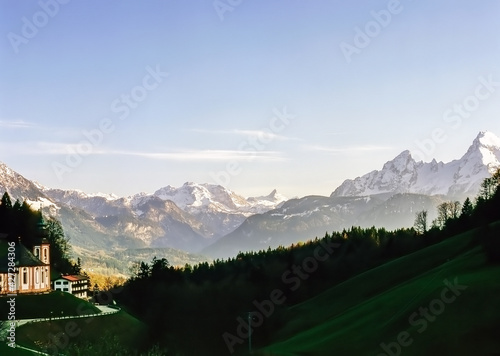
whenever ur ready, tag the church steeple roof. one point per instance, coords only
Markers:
(42, 226)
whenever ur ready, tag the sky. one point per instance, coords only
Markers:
(125, 97)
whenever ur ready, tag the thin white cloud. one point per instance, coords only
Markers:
(351, 149)
(263, 134)
(204, 155)
(58, 148)
(17, 124)
(31, 148)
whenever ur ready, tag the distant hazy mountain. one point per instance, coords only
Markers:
(458, 178)
(305, 218)
(388, 198)
(219, 209)
(187, 218)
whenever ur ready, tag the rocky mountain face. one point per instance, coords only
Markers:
(188, 218)
(79, 226)
(456, 179)
(219, 209)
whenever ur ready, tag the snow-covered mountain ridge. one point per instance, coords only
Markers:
(194, 198)
(191, 197)
(457, 179)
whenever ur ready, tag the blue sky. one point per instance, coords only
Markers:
(129, 96)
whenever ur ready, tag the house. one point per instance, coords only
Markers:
(74, 284)
(24, 271)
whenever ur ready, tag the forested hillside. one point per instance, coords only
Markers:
(213, 301)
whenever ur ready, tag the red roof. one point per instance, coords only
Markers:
(74, 278)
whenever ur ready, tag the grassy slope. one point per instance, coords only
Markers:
(128, 330)
(41, 306)
(355, 317)
(5, 350)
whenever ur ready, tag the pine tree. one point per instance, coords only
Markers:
(6, 202)
(59, 247)
(467, 208)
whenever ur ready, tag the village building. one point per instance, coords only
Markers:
(75, 284)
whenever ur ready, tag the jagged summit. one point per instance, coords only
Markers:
(192, 195)
(457, 178)
(21, 188)
(274, 196)
(484, 148)
(195, 197)
(487, 139)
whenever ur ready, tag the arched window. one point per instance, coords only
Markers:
(25, 276)
(37, 280)
(43, 276)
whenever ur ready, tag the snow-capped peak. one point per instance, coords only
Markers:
(273, 198)
(457, 178)
(20, 188)
(403, 162)
(485, 149)
(487, 139)
(193, 197)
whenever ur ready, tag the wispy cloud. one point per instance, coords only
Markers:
(58, 148)
(340, 150)
(17, 124)
(33, 148)
(267, 135)
(205, 155)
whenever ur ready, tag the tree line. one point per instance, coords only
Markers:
(454, 217)
(21, 223)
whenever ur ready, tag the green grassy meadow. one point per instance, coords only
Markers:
(373, 309)
(116, 329)
(121, 327)
(55, 303)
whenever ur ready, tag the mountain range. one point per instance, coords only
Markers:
(218, 222)
(176, 221)
(388, 198)
(188, 218)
